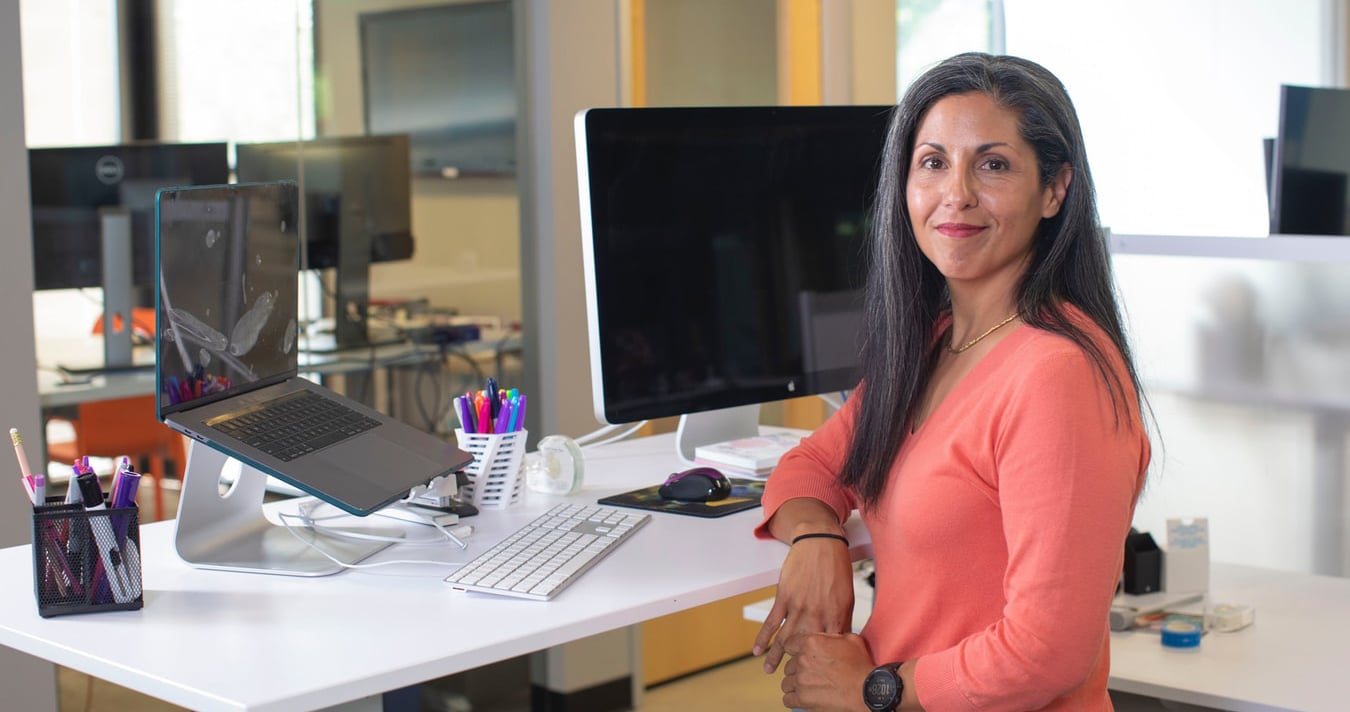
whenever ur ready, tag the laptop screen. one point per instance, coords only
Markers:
(227, 293)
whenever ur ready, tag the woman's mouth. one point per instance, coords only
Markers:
(959, 229)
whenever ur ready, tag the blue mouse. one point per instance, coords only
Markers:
(700, 484)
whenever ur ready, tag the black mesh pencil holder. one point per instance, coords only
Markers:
(85, 561)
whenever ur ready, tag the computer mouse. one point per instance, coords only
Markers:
(699, 484)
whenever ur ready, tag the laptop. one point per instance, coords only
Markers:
(226, 342)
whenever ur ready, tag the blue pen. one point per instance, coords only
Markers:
(494, 402)
(520, 413)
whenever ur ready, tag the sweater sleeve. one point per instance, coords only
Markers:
(812, 470)
(1069, 464)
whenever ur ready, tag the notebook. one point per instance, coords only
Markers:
(227, 306)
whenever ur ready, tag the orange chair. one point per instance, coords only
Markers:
(126, 427)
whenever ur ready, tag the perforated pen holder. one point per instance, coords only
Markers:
(86, 561)
(494, 477)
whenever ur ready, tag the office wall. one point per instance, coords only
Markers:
(467, 230)
(711, 52)
(28, 683)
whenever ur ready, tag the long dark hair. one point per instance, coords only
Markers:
(906, 294)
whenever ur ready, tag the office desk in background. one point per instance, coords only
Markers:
(56, 390)
(262, 642)
(1292, 658)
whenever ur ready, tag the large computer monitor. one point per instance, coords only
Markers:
(357, 209)
(1311, 163)
(724, 257)
(69, 185)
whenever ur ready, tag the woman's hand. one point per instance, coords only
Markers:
(825, 672)
(815, 595)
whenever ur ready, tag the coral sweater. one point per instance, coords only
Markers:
(999, 538)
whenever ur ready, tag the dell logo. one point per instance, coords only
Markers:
(109, 170)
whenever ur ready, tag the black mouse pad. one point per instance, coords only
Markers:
(745, 494)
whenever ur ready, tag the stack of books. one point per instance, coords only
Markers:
(755, 457)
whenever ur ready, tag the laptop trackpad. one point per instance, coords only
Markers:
(371, 456)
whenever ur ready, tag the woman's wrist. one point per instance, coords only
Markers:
(820, 535)
(814, 529)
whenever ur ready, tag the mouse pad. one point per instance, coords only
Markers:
(745, 494)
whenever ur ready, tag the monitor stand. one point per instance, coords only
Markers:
(115, 233)
(230, 532)
(715, 426)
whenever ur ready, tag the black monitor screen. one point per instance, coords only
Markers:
(725, 252)
(1312, 163)
(363, 179)
(70, 184)
(445, 75)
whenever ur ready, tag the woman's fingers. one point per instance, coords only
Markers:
(770, 627)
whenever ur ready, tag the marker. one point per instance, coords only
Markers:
(114, 564)
(494, 405)
(462, 403)
(36, 486)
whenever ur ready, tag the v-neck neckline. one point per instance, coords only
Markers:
(976, 373)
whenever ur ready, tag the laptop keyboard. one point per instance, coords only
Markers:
(294, 425)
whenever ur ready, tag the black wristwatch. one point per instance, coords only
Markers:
(883, 688)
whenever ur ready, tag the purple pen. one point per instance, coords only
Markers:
(464, 419)
(502, 423)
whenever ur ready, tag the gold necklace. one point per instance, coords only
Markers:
(980, 338)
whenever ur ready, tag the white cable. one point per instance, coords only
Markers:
(346, 565)
(618, 437)
(829, 400)
(595, 434)
(307, 519)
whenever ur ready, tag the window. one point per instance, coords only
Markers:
(241, 70)
(1175, 98)
(70, 78)
(928, 31)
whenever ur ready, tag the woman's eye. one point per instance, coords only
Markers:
(996, 164)
(930, 162)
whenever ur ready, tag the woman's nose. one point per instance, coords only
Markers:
(958, 191)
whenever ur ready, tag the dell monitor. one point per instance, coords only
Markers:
(1311, 163)
(725, 256)
(357, 209)
(69, 185)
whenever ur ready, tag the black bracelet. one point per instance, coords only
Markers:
(821, 535)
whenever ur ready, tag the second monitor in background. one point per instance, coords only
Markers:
(1310, 177)
(357, 210)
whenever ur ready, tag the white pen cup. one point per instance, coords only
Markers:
(494, 476)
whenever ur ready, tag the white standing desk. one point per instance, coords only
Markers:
(211, 640)
(1293, 657)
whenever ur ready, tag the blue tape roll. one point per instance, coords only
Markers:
(1180, 634)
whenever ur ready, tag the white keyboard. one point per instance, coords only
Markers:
(541, 558)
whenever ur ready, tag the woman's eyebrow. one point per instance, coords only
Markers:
(978, 149)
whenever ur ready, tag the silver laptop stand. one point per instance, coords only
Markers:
(228, 530)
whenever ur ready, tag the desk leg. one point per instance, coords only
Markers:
(1331, 552)
(29, 682)
(374, 703)
(594, 673)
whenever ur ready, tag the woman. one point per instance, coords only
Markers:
(995, 447)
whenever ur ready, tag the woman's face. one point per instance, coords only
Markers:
(974, 191)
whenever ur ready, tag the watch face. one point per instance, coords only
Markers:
(881, 690)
